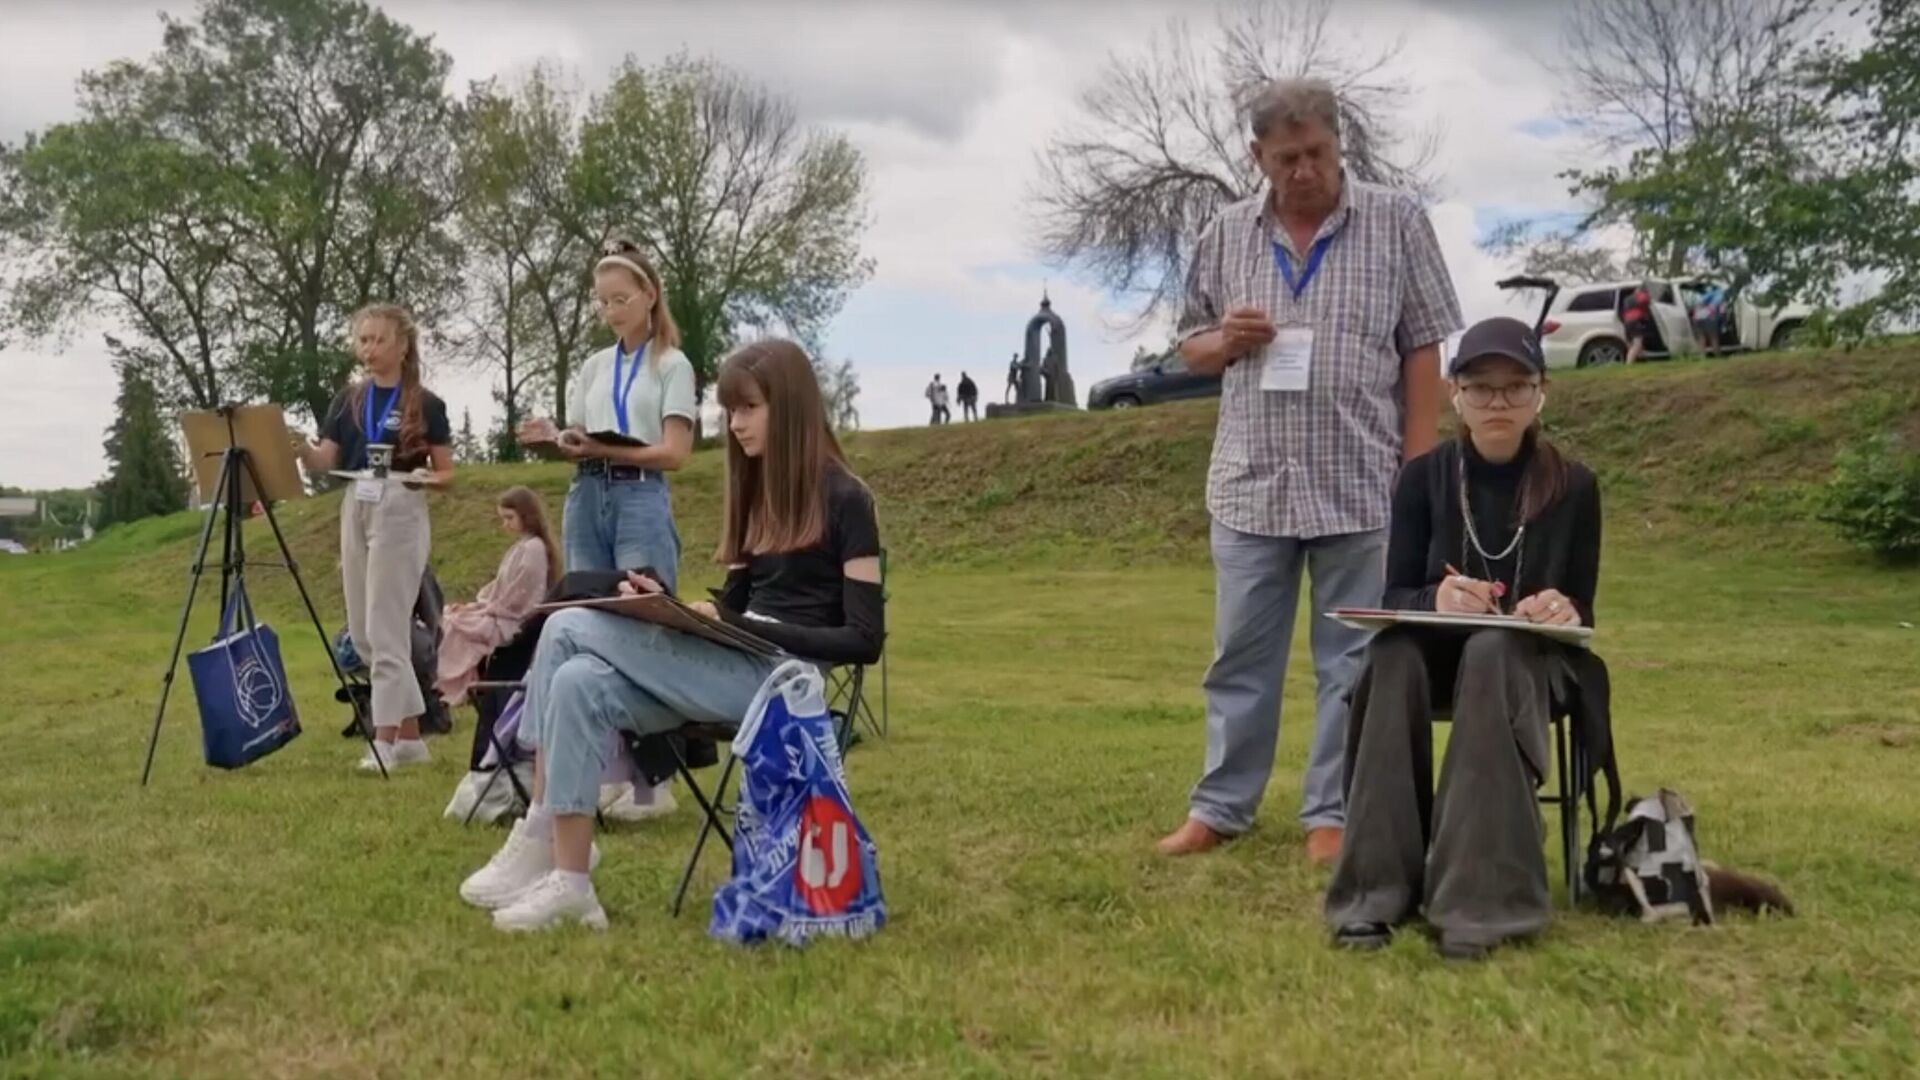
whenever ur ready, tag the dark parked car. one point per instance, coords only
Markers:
(1165, 379)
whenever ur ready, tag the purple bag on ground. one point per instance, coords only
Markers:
(803, 866)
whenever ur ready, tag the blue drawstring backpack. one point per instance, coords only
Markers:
(803, 867)
(246, 712)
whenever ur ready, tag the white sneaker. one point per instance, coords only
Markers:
(398, 755)
(552, 902)
(624, 807)
(410, 752)
(518, 866)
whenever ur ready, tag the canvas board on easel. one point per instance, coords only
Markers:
(260, 430)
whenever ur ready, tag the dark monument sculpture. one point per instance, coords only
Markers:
(1044, 384)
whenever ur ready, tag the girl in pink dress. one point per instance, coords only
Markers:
(468, 632)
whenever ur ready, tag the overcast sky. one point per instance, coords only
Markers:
(949, 100)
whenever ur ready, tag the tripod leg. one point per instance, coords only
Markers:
(326, 646)
(214, 508)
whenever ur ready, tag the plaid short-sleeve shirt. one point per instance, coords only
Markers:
(1320, 462)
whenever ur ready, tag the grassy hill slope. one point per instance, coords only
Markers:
(1716, 453)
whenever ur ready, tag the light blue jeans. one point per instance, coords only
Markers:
(595, 673)
(621, 525)
(1257, 596)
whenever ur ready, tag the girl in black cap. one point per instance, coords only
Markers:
(1496, 522)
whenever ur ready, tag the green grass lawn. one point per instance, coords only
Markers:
(299, 919)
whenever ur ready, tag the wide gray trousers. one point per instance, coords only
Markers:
(383, 554)
(1471, 854)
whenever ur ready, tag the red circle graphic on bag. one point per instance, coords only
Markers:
(826, 872)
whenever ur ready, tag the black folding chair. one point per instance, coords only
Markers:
(503, 763)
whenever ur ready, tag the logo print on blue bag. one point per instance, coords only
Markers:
(828, 873)
(258, 692)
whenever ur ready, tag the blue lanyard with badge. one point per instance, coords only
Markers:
(371, 489)
(622, 389)
(1288, 362)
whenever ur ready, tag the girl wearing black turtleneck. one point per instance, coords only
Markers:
(1495, 522)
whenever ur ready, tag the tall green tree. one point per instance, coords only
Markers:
(235, 196)
(1816, 197)
(144, 475)
(1688, 109)
(525, 214)
(755, 221)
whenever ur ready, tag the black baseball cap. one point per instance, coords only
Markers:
(1499, 336)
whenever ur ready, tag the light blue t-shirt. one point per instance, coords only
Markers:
(663, 387)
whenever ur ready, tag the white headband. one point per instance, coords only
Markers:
(622, 260)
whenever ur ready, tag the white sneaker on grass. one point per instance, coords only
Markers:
(559, 898)
(518, 866)
(625, 807)
(398, 755)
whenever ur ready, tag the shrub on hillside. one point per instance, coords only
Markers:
(1874, 498)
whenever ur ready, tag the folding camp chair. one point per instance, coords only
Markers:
(503, 762)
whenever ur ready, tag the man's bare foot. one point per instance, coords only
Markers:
(1323, 844)
(1192, 838)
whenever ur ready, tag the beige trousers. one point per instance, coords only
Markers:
(383, 553)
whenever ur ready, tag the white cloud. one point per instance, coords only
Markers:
(949, 100)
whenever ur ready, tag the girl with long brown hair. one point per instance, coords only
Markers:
(802, 551)
(531, 566)
(385, 534)
(1497, 522)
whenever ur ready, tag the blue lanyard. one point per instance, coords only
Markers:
(620, 389)
(1314, 255)
(376, 433)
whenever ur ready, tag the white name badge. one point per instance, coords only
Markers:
(368, 490)
(1287, 363)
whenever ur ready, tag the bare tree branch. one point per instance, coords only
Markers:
(1159, 144)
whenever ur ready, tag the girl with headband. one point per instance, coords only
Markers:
(619, 512)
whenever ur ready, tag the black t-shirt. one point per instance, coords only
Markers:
(819, 612)
(804, 587)
(347, 416)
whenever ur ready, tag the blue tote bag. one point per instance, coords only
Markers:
(246, 712)
(803, 865)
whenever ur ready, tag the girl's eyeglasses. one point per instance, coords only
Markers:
(1516, 396)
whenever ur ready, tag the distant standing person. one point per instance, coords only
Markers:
(1638, 319)
(937, 398)
(1322, 303)
(969, 397)
(1013, 379)
(1706, 318)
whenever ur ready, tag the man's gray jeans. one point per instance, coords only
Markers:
(1257, 596)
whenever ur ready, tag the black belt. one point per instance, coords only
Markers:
(603, 467)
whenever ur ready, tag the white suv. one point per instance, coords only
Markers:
(1580, 324)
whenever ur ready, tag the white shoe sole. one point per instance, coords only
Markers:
(394, 765)
(592, 920)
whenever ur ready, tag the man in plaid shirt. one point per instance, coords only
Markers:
(1323, 303)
